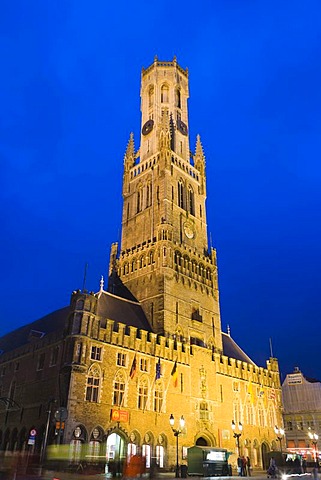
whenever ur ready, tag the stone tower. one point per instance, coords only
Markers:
(164, 259)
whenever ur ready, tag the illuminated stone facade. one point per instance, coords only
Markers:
(150, 344)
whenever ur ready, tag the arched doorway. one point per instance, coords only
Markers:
(115, 453)
(264, 451)
(202, 442)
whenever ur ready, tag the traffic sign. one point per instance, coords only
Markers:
(33, 432)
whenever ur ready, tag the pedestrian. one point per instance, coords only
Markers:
(248, 462)
(239, 466)
(244, 473)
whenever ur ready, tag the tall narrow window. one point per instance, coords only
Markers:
(178, 98)
(158, 397)
(180, 194)
(119, 389)
(151, 96)
(93, 384)
(164, 94)
(191, 201)
(139, 201)
(142, 394)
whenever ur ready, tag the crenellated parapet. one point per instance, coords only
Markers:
(248, 372)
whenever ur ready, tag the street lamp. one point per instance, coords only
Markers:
(314, 440)
(279, 435)
(237, 435)
(177, 432)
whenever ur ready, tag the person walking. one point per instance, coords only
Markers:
(248, 463)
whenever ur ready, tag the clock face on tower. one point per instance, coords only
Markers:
(148, 127)
(189, 230)
(182, 127)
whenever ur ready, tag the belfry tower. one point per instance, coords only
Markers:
(164, 258)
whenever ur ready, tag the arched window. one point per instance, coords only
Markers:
(151, 96)
(119, 389)
(93, 384)
(142, 394)
(260, 414)
(180, 194)
(237, 412)
(139, 200)
(178, 98)
(164, 94)
(158, 397)
(191, 201)
(148, 195)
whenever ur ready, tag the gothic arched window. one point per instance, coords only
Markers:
(180, 194)
(119, 389)
(164, 93)
(178, 98)
(93, 384)
(191, 201)
(151, 96)
(142, 394)
(158, 397)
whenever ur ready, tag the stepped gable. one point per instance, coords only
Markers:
(232, 350)
(122, 310)
(53, 322)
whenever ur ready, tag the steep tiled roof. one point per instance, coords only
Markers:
(231, 349)
(122, 310)
(52, 322)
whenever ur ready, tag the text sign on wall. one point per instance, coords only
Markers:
(294, 379)
(119, 415)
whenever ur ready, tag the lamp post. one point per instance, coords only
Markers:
(177, 432)
(279, 435)
(237, 435)
(314, 440)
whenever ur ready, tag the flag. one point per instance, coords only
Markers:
(158, 370)
(133, 368)
(174, 374)
(272, 394)
(261, 392)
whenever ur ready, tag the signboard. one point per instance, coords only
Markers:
(119, 415)
(294, 378)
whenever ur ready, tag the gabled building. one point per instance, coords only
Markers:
(116, 364)
(302, 413)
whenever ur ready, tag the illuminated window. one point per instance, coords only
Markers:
(93, 384)
(164, 94)
(121, 359)
(144, 364)
(119, 389)
(180, 194)
(95, 353)
(158, 397)
(191, 201)
(142, 394)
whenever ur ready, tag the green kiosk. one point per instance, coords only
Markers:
(208, 461)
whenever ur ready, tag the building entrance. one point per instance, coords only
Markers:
(115, 454)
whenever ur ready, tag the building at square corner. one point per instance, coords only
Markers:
(113, 366)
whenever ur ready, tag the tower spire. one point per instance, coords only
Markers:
(199, 161)
(129, 161)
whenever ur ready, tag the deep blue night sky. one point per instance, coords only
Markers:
(69, 93)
